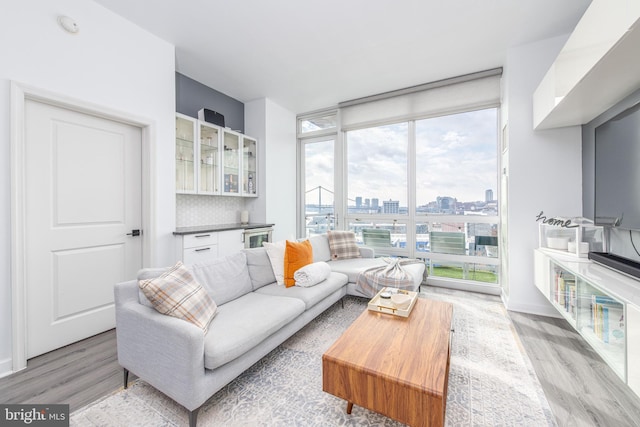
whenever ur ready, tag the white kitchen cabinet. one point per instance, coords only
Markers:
(211, 160)
(208, 159)
(249, 167)
(186, 154)
(240, 164)
(208, 245)
(199, 247)
(596, 68)
(230, 242)
(231, 149)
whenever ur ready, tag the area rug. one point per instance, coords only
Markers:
(491, 380)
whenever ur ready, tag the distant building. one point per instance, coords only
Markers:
(367, 202)
(488, 195)
(358, 202)
(374, 204)
(390, 207)
(447, 204)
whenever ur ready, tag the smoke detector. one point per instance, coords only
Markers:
(68, 24)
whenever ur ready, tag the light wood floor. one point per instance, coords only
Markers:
(580, 388)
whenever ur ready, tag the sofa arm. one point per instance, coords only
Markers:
(165, 351)
(366, 252)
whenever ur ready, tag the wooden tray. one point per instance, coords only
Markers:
(383, 305)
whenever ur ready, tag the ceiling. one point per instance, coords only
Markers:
(308, 55)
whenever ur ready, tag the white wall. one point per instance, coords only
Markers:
(544, 170)
(275, 128)
(110, 63)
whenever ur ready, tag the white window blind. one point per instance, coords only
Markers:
(469, 92)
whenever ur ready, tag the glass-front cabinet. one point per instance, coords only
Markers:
(231, 162)
(212, 160)
(249, 167)
(209, 182)
(185, 155)
(594, 300)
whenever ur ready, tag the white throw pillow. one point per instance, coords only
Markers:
(275, 251)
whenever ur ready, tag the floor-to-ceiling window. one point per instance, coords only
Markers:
(457, 196)
(377, 186)
(317, 135)
(415, 175)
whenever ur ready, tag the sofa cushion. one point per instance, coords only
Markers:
(275, 251)
(320, 245)
(225, 278)
(311, 296)
(353, 267)
(176, 293)
(245, 322)
(343, 245)
(259, 265)
(296, 256)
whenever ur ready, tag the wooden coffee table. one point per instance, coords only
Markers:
(396, 366)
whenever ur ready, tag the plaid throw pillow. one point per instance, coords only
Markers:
(342, 245)
(176, 293)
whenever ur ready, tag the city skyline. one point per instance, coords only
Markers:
(442, 204)
(455, 155)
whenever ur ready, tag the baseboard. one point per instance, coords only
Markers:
(6, 367)
(464, 286)
(537, 309)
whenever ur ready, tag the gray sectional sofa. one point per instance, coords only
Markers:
(253, 317)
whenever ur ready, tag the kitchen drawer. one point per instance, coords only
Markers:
(199, 239)
(199, 254)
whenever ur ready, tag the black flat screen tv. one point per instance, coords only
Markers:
(617, 171)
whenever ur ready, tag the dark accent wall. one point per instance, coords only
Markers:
(192, 96)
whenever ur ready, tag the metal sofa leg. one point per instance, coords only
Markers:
(126, 378)
(193, 417)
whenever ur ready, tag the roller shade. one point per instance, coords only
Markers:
(469, 92)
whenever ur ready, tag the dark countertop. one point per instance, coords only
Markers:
(180, 231)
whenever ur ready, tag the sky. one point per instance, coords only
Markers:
(456, 156)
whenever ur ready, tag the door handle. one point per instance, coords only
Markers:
(134, 233)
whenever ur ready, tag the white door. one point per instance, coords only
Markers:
(83, 195)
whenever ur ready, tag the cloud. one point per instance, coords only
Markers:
(456, 156)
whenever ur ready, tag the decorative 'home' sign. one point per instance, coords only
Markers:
(566, 223)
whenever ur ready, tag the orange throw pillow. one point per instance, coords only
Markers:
(296, 256)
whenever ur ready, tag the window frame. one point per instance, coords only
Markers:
(488, 100)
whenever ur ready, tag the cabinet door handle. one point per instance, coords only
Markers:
(203, 249)
(203, 235)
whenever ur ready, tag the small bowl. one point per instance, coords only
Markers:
(401, 301)
(560, 243)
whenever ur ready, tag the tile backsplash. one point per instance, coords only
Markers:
(207, 210)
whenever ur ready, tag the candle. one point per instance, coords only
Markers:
(244, 217)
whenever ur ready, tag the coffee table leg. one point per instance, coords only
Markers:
(349, 407)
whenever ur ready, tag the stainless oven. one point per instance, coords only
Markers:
(255, 237)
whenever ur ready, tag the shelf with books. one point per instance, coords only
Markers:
(602, 305)
(564, 294)
(601, 322)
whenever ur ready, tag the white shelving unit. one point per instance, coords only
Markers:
(600, 303)
(595, 69)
